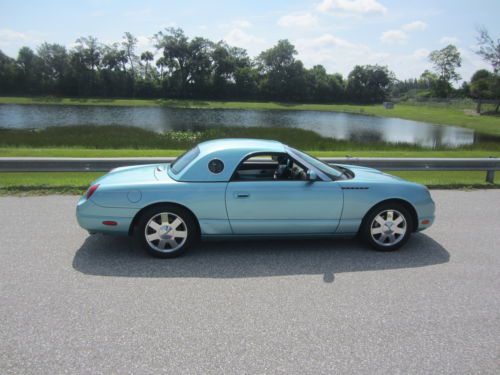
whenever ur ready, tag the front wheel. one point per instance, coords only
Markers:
(387, 227)
(167, 231)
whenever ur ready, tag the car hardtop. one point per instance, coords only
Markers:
(242, 145)
(230, 152)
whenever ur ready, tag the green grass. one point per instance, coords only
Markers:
(141, 142)
(447, 179)
(85, 152)
(115, 153)
(39, 183)
(440, 115)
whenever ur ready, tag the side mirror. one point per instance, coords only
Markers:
(311, 175)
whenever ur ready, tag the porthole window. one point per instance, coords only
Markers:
(216, 166)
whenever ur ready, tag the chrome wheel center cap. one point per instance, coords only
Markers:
(388, 227)
(165, 230)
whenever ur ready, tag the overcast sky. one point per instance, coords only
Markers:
(336, 33)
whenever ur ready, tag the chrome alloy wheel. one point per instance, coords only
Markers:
(388, 227)
(166, 232)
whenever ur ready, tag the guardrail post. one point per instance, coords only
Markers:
(490, 174)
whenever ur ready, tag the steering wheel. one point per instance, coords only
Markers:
(284, 170)
(298, 174)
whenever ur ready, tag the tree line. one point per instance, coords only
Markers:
(198, 68)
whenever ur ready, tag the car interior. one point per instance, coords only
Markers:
(270, 167)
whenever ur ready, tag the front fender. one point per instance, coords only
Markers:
(358, 200)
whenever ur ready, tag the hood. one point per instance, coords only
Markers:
(370, 174)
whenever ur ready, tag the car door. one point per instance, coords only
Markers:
(284, 207)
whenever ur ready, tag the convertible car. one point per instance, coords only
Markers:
(245, 188)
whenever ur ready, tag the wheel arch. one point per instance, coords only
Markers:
(411, 209)
(135, 220)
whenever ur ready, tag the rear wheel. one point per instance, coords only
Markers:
(167, 231)
(387, 227)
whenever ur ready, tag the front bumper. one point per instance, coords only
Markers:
(426, 214)
(425, 222)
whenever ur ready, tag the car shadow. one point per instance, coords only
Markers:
(123, 257)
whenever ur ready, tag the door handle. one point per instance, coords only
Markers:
(241, 194)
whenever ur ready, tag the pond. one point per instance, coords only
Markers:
(337, 125)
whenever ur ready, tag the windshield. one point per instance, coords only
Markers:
(182, 161)
(331, 171)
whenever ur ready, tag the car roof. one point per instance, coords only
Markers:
(243, 145)
(230, 151)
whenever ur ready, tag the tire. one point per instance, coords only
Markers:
(387, 226)
(167, 231)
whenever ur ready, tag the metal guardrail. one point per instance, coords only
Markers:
(28, 164)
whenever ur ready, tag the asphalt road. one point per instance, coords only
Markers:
(70, 303)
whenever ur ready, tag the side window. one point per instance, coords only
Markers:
(182, 161)
(269, 167)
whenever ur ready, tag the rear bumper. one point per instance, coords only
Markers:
(91, 217)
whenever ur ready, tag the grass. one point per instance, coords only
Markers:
(112, 140)
(127, 152)
(40, 183)
(447, 179)
(441, 115)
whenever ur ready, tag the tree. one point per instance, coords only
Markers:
(161, 63)
(226, 60)
(337, 87)
(427, 79)
(54, 59)
(437, 87)
(175, 47)
(408, 87)
(90, 51)
(368, 84)
(198, 68)
(495, 91)
(246, 82)
(445, 62)
(489, 49)
(113, 58)
(114, 78)
(85, 65)
(323, 87)
(7, 74)
(318, 83)
(481, 85)
(129, 44)
(188, 62)
(29, 71)
(283, 76)
(199, 65)
(279, 57)
(147, 57)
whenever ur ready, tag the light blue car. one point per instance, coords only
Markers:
(246, 188)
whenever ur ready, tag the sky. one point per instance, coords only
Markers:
(338, 34)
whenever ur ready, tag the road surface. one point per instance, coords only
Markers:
(73, 303)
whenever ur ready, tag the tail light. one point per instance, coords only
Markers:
(91, 190)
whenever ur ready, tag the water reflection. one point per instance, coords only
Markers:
(328, 124)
